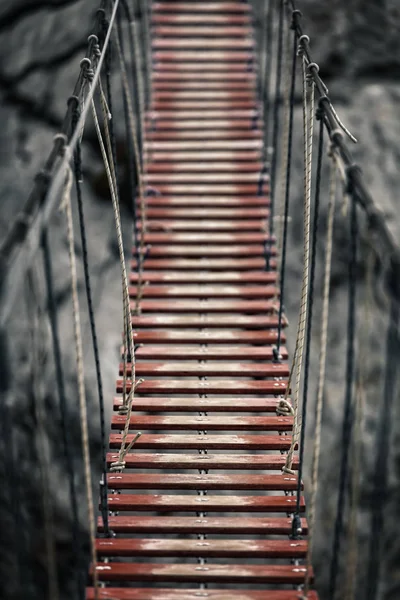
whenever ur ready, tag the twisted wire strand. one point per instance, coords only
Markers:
(323, 345)
(296, 368)
(287, 80)
(141, 97)
(66, 203)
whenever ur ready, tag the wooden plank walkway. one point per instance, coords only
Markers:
(205, 476)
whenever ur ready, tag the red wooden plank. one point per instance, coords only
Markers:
(169, 146)
(205, 277)
(218, 135)
(204, 178)
(206, 251)
(206, 291)
(204, 167)
(218, 226)
(188, 405)
(202, 32)
(209, 352)
(209, 423)
(229, 96)
(208, 157)
(183, 481)
(211, 386)
(200, 7)
(112, 593)
(204, 442)
(179, 44)
(207, 336)
(217, 369)
(206, 320)
(179, 503)
(208, 549)
(187, 19)
(176, 573)
(218, 66)
(206, 238)
(209, 264)
(203, 202)
(245, 76)
(226, 462)
(242, 57)
(199, 85)
(206, 189)
(214, 525)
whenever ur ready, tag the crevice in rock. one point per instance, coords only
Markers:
(21, 11)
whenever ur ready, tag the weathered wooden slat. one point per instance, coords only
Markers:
(189, 19)
(209, 423)
(186, 573)
(207, 238)
(207, 157)
(215, 104)
(209, 352)
(244, 57)
(193, 503)
(197, 225)
(210, 386)
(237, 462)
(205, 442)
(211, 525)
(181, 76)
(205, 548)
(113, 593)
(204, 202)
(207, 336)
(209, 264)
(209, 251)
(194, 405)
(218, 86)
(187, 368)
(206, 291)
(202, 31)
(201, 7)
(210, 145)
(204, 277)
(205, 167)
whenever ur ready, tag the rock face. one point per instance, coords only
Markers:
(357, 47)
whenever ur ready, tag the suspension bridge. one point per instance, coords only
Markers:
(202, 489)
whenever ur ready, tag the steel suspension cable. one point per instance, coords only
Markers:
(287, 175)
(275, 129)
(348, 416)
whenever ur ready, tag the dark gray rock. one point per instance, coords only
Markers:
(357, 47)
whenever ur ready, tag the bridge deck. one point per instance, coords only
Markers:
(196, 489)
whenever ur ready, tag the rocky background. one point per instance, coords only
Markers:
(357, 45)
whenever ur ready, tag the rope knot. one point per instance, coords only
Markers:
(284, 409)
(119, 465)
(304, 41)
(87, 70)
